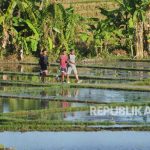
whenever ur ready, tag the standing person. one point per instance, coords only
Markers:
(72, 66)
(63, 64)
(43, 62)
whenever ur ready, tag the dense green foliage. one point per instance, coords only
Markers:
(32, 25)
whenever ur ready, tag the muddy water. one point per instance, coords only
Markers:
(104, 140)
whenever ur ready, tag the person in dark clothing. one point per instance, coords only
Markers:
(43, 62)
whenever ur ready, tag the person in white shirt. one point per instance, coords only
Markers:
(72, 67)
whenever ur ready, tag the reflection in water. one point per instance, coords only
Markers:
(85, 116)
(99, 95)
(11, 104)
(89, 71)
(103, 140)
(44, 103)
(67, 94)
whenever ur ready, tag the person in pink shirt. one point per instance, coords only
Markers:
(63, 64)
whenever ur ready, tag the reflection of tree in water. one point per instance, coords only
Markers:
(1, 105)
(2, 88)
(12, 104)
(65, 92)
(69, 93)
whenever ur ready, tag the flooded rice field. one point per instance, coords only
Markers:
(64, 108)
(44, 98)
(116, 119)
(14, 105)
(76, 94)
(110, 72)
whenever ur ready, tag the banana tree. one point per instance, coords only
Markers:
(105, 35)
(136, 11)
(65, 23)
(19, 26)
(5, 23)
(45, 26)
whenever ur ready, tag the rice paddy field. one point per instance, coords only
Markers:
(52, 112)
(108, 110)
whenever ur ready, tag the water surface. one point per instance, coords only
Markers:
(105, 140)
(83, 94)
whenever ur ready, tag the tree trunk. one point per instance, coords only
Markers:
(5, 37)
(139, 40)
(148, 29)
